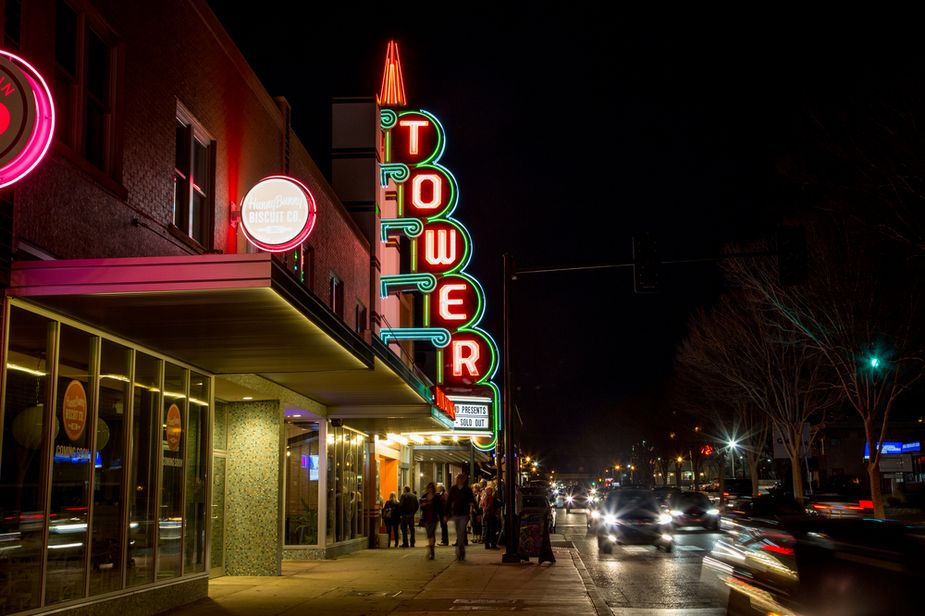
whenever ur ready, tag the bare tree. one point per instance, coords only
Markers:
(775, 378)
(858, 311)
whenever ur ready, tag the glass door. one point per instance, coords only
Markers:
(218, 516)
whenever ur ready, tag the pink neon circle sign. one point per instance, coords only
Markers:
(278, 213)
(27, 118)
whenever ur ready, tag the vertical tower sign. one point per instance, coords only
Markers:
(427, 196)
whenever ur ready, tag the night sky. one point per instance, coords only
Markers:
(570, 131)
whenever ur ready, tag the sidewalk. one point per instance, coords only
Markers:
(403, 581)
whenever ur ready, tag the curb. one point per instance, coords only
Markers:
(600, 606)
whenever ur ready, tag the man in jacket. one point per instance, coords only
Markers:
(409, 506)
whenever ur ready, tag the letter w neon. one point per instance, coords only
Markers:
(444, 252)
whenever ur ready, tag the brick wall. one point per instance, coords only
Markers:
(174, 50)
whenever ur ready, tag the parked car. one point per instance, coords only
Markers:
(737, 491)
(692, 509)
(632, 516)
(855, 567)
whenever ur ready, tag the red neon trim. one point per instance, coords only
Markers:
(40, 139)
(778, 549)
(392, 92)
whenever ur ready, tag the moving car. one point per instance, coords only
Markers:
(736, 491)
(631, 515)
(689, 509)
(856, 567)
(577, 498)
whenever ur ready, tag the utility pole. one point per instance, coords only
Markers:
(510, 463)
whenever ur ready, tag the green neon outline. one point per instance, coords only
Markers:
(387, 118)
(480, 298)
(425, 282)
(452, 202)
(434, 335)
(467, 245)
(441, 139)
(397, 172)
(496, 419)
(411, 227)
(439, 360)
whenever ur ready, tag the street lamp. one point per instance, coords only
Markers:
(733, 445)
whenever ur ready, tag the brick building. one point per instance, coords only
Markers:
(175, 403)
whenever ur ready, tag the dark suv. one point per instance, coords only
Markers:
(631, 515)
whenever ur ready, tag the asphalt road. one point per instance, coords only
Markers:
(644, 581)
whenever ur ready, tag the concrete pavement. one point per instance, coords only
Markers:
(403, 581)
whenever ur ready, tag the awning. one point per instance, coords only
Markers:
(448, 454)
(234, 314)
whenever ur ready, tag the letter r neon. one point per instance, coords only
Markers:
(468, 359)
(414, 135)
(445, 303)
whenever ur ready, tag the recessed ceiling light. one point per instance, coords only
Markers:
(248, 398)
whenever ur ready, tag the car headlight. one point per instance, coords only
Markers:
(595, 515)
(677, 512)
(664, 518)
(569, 499)
(610, 519)
(712, 511)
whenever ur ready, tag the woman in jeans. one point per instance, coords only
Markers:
(459, 503)
(431, 514)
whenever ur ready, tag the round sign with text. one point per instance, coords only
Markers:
(27, 118)
(174, 427)
(74, 410)
(278, 213)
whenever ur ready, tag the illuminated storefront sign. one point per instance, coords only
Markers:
(27, 118)
(443, 403)
(427, 197)
(278, 213)
(74, 410)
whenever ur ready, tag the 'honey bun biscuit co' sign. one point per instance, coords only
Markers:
(27, 118)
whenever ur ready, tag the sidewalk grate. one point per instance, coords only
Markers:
(476, 605)
(372, 593)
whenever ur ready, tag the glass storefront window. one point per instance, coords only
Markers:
(143, 469)
(22, 499)
(196, 463)
(346, 454)
(331, 483)
(302, 463)
(114, 392)
(173, 441)
(70, 471)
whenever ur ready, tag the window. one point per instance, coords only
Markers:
(361, 318)
(302, 480)
(85, 59)
(193, 174)
(12, 23)
(336, 299)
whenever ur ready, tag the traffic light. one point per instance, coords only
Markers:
(645, 263)
(792, 261)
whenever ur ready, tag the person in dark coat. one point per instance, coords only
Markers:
(431, 513)
(444, 531)
(409, 506)
(391, 516)
(459, 503)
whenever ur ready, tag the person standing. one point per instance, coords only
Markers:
(409, 506)
(444, 531)
(489, 507)
(476, 513)
(431, 513)
(391, 516)
(459, 503)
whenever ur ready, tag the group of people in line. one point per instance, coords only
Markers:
(474, 509)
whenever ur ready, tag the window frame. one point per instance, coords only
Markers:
(73, 118)
(194, 133)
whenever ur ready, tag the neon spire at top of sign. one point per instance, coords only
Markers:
(393, 86)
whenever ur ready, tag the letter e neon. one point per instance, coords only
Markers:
(444, 302)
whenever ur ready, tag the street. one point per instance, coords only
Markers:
(637, 577)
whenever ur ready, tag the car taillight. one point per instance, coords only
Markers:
(777, 549)
(866, 504)
(725, 493)
(821, 506)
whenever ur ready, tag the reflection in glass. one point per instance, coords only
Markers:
(331, 483)
(22, 499)
(143, 469)
(70, 472)
(217, 544)
(194, 545)
(106, 547)
(173, 440)
(302, 464)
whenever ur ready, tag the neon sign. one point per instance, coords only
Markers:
(27, 118)
(278, 213)
(427, 196)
